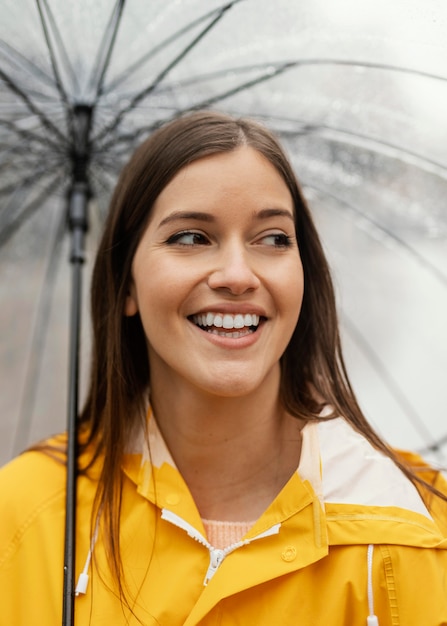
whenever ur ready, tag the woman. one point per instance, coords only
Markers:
(227, 475)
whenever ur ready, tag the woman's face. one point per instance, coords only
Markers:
(217, 276)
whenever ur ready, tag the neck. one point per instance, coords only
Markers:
(235, 454)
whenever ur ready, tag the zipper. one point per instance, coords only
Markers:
(216, 554)
(372, 619)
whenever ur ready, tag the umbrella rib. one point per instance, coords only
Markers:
(307, 128)
(280, 67)
(306, 62)
(10, 228)
(271, 73)
(25, 158)
(26, 63)
(310, 128)
(38, 340)
(24, 182)
(371, 65)
(427, 265)
(131, 69)
(31, 106)
(27, 134)
(148, 90)
(107, 44)
(110, 166)
(99, 177)
(54, 65)
(388, 380)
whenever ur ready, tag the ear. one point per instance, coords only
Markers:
(131, 305)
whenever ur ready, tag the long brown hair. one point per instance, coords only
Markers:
(312, 365)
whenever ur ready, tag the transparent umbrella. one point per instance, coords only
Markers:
(356, 90)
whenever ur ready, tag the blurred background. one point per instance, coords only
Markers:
(357, 92)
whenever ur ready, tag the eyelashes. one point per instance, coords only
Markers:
(279, 240)
(190, 238)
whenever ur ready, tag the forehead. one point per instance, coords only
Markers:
(243, 177)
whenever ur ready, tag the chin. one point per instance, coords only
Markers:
(236, 386)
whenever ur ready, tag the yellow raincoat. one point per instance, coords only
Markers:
(347, 542)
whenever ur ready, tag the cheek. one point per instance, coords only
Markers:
(160, 291)
(293, 289)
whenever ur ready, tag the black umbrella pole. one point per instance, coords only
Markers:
(78, 201)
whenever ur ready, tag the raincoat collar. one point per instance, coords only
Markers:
(343, 491)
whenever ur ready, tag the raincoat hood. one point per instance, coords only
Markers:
(347, 540)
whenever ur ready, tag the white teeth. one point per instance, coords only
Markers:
(248, 320)
(226, 321)
(239, 321)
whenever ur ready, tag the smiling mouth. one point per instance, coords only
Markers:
(226, 324)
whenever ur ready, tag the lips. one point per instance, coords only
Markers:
(227, 324)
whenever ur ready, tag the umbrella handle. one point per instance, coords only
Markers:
(77, 211)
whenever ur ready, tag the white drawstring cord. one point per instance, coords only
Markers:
(372, 619)
(81, 587)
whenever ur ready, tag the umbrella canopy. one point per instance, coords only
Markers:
(356, 90)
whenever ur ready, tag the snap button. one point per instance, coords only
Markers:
(172, 498)
(288, 554)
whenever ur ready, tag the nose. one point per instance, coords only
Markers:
(234, 271)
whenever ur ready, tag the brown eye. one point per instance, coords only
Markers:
(188, 238)
(278, 240)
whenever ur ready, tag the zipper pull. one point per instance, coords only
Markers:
(216, 558)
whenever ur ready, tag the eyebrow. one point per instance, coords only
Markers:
(187, 215)
(207, 217)
(266, 213)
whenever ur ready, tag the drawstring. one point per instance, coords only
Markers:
(372, 619)
(81, 587)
